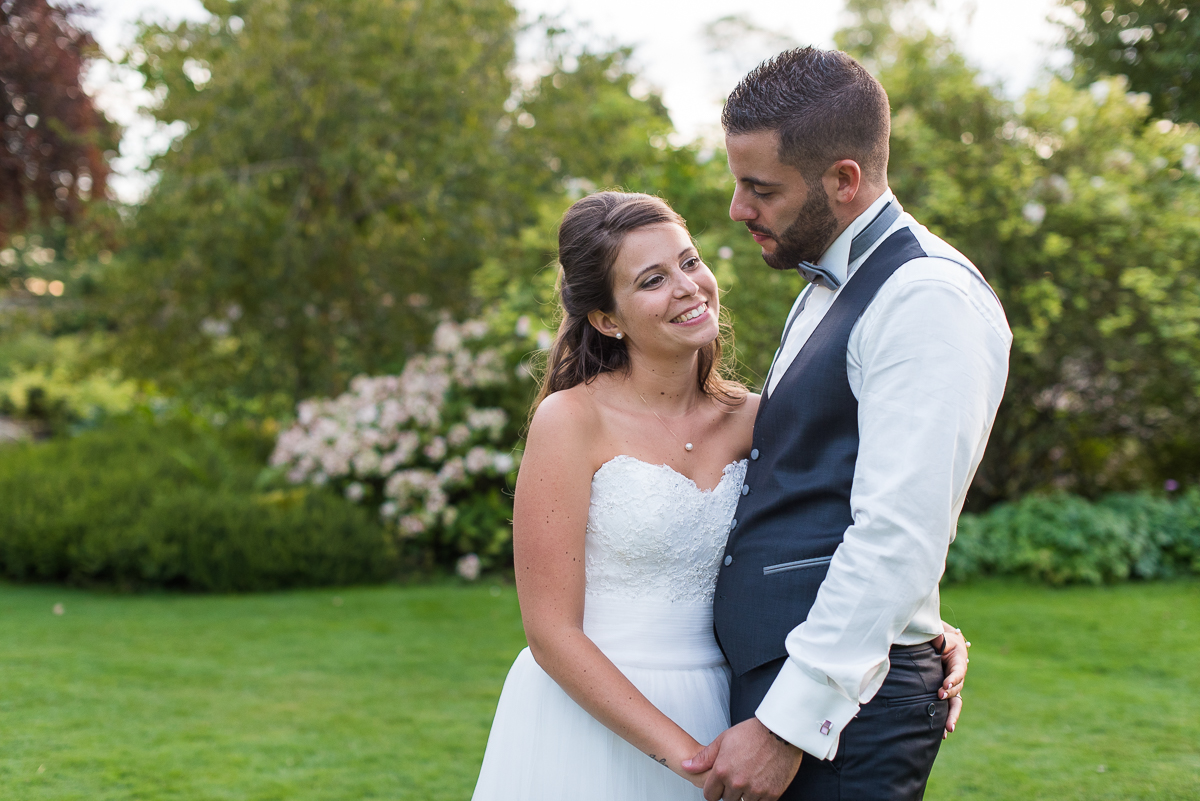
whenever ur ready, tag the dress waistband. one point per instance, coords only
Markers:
(652, 634)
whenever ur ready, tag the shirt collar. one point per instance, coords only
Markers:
(836, 257)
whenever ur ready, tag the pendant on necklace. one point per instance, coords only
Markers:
(687, 446)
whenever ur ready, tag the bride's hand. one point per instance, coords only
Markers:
(954, 663)
(697, 779)
(690, 751)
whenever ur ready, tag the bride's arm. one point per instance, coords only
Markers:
(549, 522)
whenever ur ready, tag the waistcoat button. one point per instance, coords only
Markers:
(754, 454)
(745, 489)
(733, 524)
(728, 561)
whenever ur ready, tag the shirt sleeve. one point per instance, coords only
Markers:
(933, 360)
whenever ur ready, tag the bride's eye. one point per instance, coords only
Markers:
(692, 263)
(652, 282)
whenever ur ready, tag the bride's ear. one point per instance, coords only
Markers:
(605, 324)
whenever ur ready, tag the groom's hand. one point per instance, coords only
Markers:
(746, 762)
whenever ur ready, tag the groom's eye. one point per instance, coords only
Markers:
(758, 194)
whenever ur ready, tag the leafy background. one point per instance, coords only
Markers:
(349, 177)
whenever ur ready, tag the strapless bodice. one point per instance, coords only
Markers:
(654, 535)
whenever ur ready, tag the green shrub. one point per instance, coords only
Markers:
(142, 504)
(1062, 539)
(59, 382)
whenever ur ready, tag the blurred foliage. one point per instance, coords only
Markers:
(339, 178)
(1064, 539)
(345, 175)
(1084, 214)
(141, 503)
(56, 370)
(56, 383)
(345, 170)
(1155, 44)
(53, 159)
(57, 226)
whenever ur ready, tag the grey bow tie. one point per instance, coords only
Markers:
(816, 274)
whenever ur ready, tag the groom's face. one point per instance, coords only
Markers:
(788, 217)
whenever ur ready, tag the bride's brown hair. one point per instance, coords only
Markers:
(589, 239)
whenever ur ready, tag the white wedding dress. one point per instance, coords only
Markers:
(654, 544)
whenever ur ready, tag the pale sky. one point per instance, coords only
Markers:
(1010, 40)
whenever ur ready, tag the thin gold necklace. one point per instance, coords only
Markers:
(687, 446)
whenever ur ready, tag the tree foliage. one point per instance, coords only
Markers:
(350, 171)
(338, 180)
(1083, 211)
(54, 139)
(345, 170)
(1155, 44)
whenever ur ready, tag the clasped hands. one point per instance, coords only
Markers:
(748, 762)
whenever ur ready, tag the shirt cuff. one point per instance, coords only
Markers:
(808, 714)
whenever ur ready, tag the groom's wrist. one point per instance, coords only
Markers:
(777, 737)
(790, 748)
(808, 714)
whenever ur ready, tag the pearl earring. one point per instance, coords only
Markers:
(619, 335)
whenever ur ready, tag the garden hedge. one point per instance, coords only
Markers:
(142, 504)
(1062, 539)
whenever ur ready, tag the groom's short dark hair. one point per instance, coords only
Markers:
(825, 106)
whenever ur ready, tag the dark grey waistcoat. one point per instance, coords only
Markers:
(795, 504)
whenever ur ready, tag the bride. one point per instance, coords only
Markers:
(632, 470)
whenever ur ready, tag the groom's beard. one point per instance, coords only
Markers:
(809, 235)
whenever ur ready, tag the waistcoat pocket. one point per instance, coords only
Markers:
(785, 567)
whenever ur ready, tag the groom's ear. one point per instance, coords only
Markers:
(843, 180)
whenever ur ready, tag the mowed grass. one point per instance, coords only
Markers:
(370, 693)
(1078, 693)
(388, 693)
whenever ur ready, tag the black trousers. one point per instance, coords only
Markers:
(887, 751)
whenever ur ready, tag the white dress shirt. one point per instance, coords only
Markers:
(927, 362)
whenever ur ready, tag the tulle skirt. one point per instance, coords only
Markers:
(545, 747)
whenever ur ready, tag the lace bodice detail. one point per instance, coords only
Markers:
(653, 534)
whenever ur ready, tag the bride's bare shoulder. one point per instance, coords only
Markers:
(740, 403)
(750, 406)
(737, 419)
(567, 415)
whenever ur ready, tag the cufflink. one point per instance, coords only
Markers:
(826, 726)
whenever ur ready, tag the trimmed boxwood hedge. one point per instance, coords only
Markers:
(146, 504)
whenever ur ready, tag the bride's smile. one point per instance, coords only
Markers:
(691, 314)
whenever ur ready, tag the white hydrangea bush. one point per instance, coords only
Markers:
(433, 448)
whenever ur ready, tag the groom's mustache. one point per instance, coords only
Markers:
(761, 231)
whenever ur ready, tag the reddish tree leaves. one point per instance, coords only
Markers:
(52, 137)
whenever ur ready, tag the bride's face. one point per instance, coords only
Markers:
(665, 296)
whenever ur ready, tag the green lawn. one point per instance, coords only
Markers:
(1080, 693)
(388, 692)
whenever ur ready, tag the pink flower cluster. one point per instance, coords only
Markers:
(403, 433)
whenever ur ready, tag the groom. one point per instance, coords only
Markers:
(872, 423)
